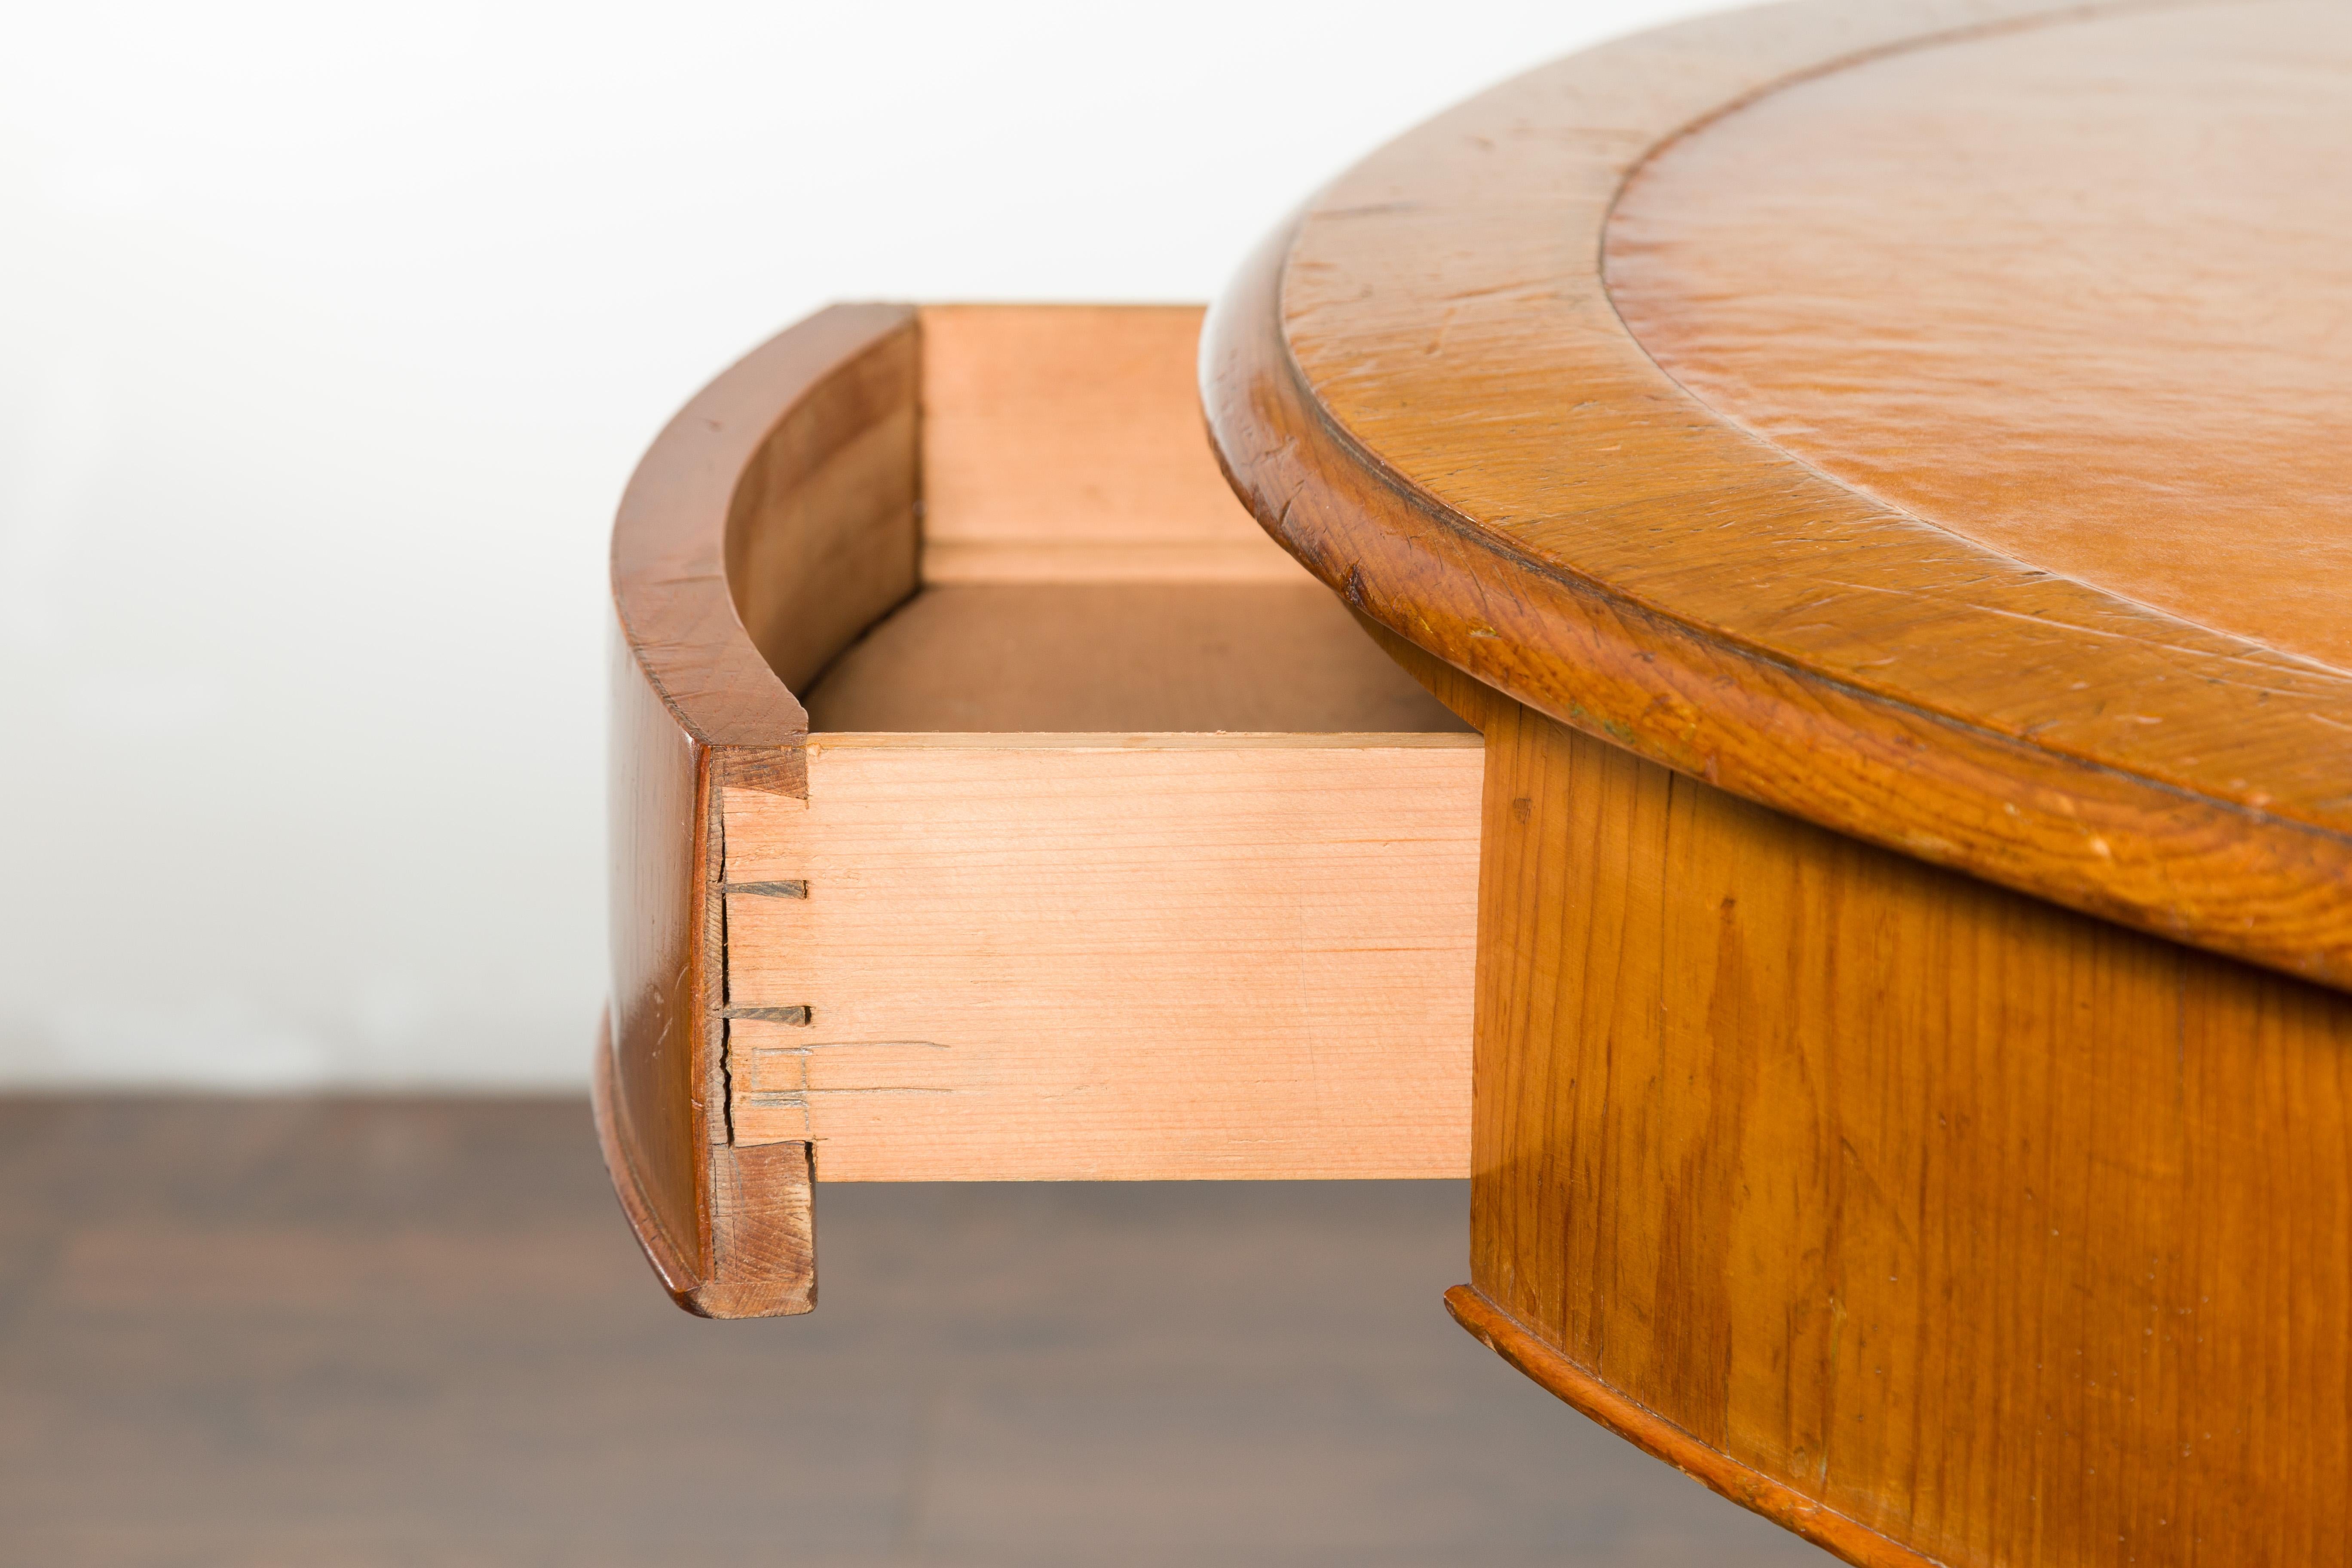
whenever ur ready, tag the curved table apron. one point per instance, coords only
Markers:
(1880, 477)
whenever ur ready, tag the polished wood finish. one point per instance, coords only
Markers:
(2006, 1233)
(1913, 1079)
(1172, 954)
(665, 1234)
(1425, 391)
(1131, 957)
(824, 410)
(1936, 1222)
(2125, 367)
(1783, 1504)
(646, 1108)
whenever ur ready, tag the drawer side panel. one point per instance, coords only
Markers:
(1172, 958)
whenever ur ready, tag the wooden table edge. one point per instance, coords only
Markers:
(2094, 831)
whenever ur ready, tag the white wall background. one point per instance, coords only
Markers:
(328, 337)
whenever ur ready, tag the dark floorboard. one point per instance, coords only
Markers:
(376, 1333)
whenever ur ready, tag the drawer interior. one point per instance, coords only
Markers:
(1137, 656)
(1073, 561)
(1124, 852)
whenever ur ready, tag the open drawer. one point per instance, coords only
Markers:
(993, 800)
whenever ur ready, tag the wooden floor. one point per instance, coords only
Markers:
(310, 1333)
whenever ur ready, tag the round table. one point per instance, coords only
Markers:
(1879, 475)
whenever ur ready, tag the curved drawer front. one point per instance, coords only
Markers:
(993, 800)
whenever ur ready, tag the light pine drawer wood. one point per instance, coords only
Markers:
(993, 800)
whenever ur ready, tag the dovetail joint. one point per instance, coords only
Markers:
(769, 1014)
(767, 889)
